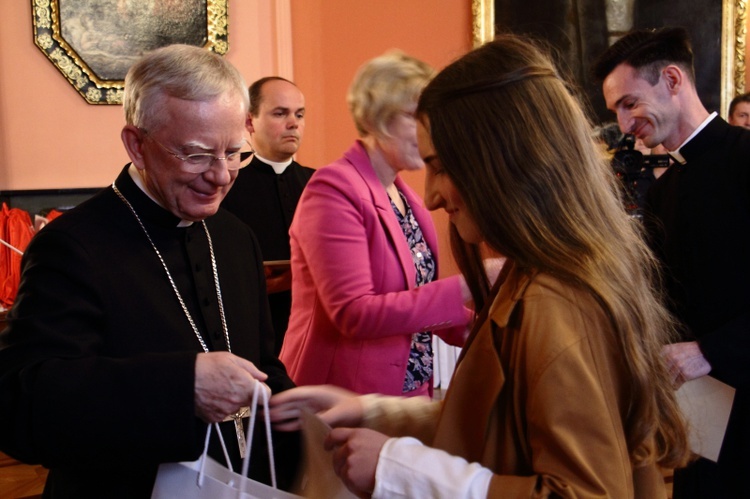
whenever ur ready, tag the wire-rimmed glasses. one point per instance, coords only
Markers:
(203, 161)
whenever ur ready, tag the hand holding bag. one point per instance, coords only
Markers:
(208, 479)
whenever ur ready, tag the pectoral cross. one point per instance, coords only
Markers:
(238, 429)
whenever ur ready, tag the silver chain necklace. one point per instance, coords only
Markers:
(174, 286)
(237, 417)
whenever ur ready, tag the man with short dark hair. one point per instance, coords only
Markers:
(265, 194)
(739, 111)
(142, 313)
(698, 218)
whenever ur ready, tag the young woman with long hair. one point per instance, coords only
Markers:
(561, 389)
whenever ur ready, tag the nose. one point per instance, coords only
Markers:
(218, 173)
(624, 121)
(432, 198)
(293, 121)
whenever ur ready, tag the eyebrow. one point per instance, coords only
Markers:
(196, 144)
(206, 148)
(619, 101)
(286, 109)
(429, 158)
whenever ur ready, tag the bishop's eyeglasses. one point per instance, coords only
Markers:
(203, 161)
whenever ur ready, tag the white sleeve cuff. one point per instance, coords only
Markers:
(406, 468)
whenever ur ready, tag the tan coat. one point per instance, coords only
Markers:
(539, 398)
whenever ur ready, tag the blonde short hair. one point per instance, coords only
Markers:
(383, 87)
(181, 71)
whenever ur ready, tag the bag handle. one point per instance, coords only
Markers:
(260, 388)
(257, 390)
(202, 472)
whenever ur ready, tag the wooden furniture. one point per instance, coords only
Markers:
(20, 481)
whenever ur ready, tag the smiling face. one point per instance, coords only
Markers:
(440, 192)
(216, 126)
(650, 112)
(278, 128)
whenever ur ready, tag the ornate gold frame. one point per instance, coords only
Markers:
(48, 37)
(733, 37)
(483, 26)
(733, 44)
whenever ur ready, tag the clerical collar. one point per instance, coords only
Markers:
(676, 153)
(277, 167)
(133, 172)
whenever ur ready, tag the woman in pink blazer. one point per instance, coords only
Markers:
(366, 298)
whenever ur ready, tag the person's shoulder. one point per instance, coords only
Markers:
(547, 315)
(548, 298)
(225, 219)
(304, 172)
(549, 286)
(84, 229)
(537, 289)
(303, 168)
(247, 177)
(338, 172)
(336, 186)
(740, 139)
(96, 210)
(721, 136)
(732, 155)
(229, 226)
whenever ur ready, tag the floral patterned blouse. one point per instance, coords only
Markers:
(419, 366)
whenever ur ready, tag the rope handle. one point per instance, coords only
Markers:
(257, 390)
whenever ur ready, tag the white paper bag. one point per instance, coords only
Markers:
(208, 479)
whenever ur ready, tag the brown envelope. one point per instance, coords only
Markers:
(319, 481)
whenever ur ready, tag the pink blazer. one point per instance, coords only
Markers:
(354, 302)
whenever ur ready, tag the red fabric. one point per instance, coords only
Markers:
(53, 214)
(17, 230)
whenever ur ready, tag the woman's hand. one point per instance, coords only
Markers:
(355, 457)
(333, 405)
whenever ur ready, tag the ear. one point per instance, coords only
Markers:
(674, 78)
(249, 123)
(132, 138)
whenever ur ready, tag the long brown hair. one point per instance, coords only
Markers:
(518, 148)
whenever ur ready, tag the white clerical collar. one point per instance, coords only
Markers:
(277, 167)
(676, 153)
(133, 172)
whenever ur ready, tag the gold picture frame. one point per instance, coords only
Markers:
(93, 43)
(733, 41)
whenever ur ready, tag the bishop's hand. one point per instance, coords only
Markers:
(224, 383)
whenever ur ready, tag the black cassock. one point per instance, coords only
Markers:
(97, 364)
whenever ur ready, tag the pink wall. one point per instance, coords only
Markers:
(51, 138)
(332, 38)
